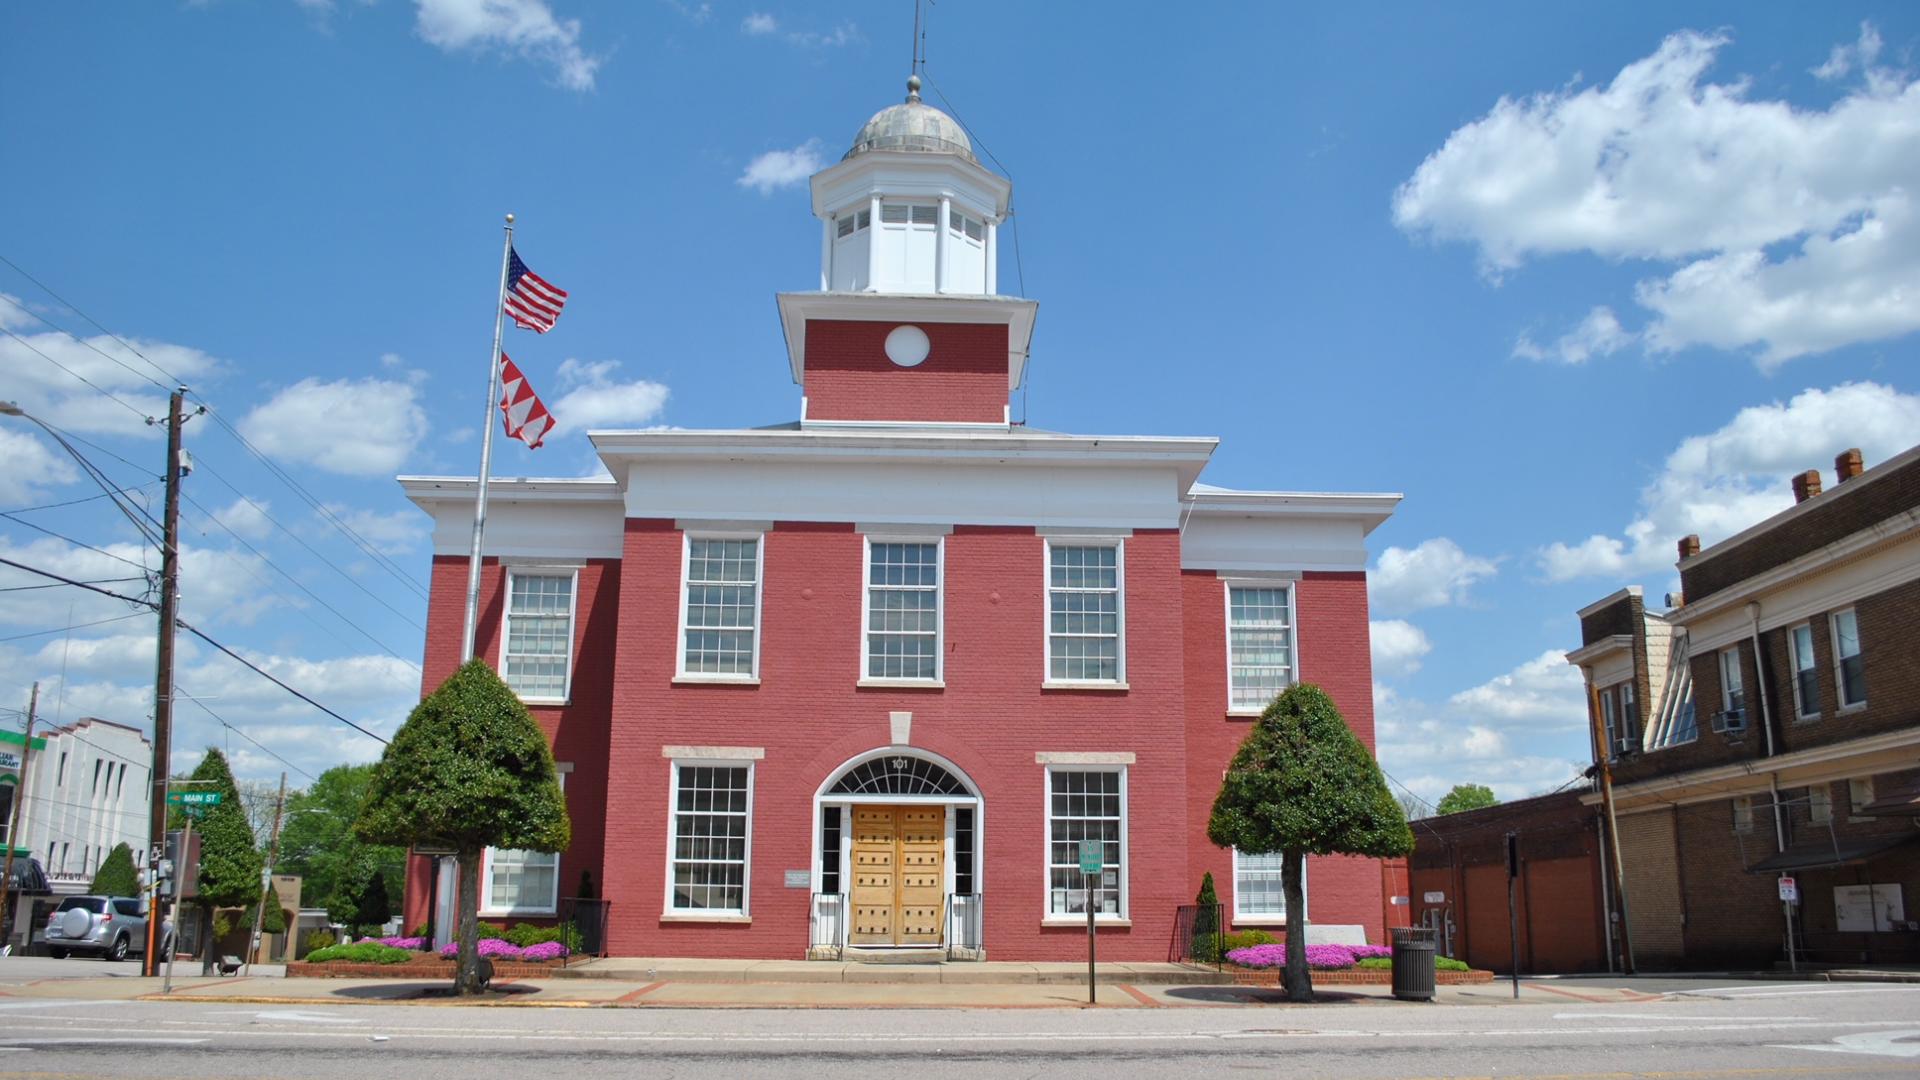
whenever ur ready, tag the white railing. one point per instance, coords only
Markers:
(829, 922)
(964, 940)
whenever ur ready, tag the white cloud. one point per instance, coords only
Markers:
(45, 370)
(1541, 692)
(844, 34)
(524, 28)
(1434, 574)
(1398, 646)
(248, 518)
(1662, 165)
(1717, 484)
(1599, 334)
(33, 467)
(778, 169)
(595, 400)
(395, 533)
(1843, 58)
(693, 13)
(758, 23)
(357, 427)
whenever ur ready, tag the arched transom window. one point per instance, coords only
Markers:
(898, 774)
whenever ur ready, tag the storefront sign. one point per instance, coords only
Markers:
(1434, 898)
(10, 761)
(1867, 908)
(799, 879)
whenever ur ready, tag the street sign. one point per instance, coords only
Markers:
(1433, 898)
(1091, 856)
(1789, 890)
(194, 798)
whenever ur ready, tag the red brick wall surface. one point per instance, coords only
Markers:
(848, 376)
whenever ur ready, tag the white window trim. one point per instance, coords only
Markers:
(1293, 630)
(1119, 546)
(487, 906)
(670, 913)
(1049, 917)
(1839, 678)
(1739, 802)
(680, 672)
(1854, 802)
(1818, 795)
(1265, 918)
(1729, 660)
(1609, 725)
(939, 541)
(1800, 709)
(573, 624)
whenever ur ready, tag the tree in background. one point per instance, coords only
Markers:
(1303, 784)
(1413, 806)
(230, 864)
(116, 876)
(361, 902)
(469, 770)
(318, 843)
(1466, 797)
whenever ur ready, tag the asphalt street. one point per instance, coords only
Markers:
(1673, 1029)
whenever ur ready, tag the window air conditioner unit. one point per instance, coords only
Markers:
(1730, 721)
(1628, 745)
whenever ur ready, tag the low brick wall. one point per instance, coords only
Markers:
(1355, 977)
(434, 968)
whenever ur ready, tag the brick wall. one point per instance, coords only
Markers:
(848, 376)
(1733, 918)
(1656, 912)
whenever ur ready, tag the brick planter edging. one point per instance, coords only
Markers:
(414, 969)
(1271, 977)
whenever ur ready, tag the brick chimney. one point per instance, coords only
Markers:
(1807, 485)
(1846, 465)
(1689, 546)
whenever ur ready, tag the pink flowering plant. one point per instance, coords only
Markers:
(417, 944)
(1319, 957)
(496, 949)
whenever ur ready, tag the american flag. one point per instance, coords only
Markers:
(534, 304)
(526, 418)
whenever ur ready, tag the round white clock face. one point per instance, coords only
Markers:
(907, 346)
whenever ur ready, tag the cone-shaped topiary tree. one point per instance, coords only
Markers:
(230, 864)
(1303, 784)
(116, 876)
(1206, 921)
(469, 770)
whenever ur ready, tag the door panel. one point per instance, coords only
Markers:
(899, 872)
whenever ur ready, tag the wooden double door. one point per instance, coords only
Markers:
(899, 875)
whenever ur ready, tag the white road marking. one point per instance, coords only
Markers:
(295, 1016)
(1756, 992)
(1879, 1043)
(61, 1003)
(137, 1040)
(1645, 1016)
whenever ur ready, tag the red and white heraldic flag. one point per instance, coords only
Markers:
(534, 304)
(526, 418)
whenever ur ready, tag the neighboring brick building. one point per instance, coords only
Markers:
(866, 679)
(1769, 725)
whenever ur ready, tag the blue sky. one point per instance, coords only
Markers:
(1577, 282)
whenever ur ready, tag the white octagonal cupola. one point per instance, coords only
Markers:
(909, 209)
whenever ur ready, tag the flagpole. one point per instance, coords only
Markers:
(486, 454)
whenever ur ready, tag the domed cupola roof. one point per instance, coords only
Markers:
(914, 127)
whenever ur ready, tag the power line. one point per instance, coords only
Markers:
(251, 739)
(99, 477)
(76, 502)
(57, 585)
(96, 323)
(76, 543)
(202, 635)
(107, 394)
(75, 626)
(88, 344)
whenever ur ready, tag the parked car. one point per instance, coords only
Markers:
(105, 926)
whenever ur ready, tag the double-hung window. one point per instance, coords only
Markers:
(721, 615)
(1806, 683)
(903, 610)
(1259, 895)
(712, 815)
(521, 882)
(536, 657)
(1733, 694)
(1260, 644)
(1086, 622)
(1086, 804)
(1850, 674)
(1609, 725)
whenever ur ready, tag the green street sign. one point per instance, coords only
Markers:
(1091, 852)
(194, 798)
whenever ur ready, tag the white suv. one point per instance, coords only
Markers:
(105, 926)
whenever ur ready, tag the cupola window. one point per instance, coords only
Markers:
(848, 225)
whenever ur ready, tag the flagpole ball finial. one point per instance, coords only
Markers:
(509, 219)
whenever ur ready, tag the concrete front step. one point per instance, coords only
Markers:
(680, 970)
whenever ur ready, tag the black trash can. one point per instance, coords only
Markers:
(1413, 952)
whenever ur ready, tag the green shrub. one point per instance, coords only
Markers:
(318, 939)
(1246, 939)
(419, 931)
(1448, 963)
(361, 952)
(1374, 963)
(1440, 963)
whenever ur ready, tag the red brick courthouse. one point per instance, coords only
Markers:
(866, 679)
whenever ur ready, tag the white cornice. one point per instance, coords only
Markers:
(1608, 600)
(1606, 646)
(1013, 312)
(425, 489)
(1371, 509)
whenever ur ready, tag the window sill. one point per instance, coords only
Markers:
(1245, 714)
(903, 684)
(504, 913)
(1081, 921)
(1807, 718)
(702, 917)
(1847, 710)
(716, 680)
(1259, 920)
(545, 701)
(1096, 687)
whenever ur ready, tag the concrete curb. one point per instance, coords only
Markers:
(905, 975)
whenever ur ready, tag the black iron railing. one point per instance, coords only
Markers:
(586, 921)
(1197, 929)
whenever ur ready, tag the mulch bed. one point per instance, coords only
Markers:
(1356, 977)
(424, 968)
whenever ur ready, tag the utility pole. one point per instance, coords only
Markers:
(13, 828)
(266, 875)
(1602, 757)
(163, 674)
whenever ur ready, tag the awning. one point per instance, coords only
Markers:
(1813, 854)
(1904, 799)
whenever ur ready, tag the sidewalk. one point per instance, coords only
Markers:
(958, 973)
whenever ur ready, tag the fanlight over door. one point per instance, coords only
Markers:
(898, 774)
